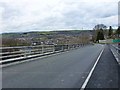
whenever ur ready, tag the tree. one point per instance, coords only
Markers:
(118, 32)
(100, 35)
(99, 31)
(110, 32)
(100, 26)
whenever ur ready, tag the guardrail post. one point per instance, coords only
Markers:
(68, 47)
(42, 49)
(62, 47)
(119, 48)
(25, 54)
(53, 48)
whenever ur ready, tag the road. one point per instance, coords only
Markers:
(106, 73)
(66, 70)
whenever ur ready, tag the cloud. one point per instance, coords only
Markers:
(1, 20)
(28, 15)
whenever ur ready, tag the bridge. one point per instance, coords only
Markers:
(61, 66)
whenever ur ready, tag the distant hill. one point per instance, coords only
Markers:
(47, 38)
(47, 33)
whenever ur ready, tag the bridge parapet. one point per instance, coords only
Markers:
(14, 54)
(116, 52)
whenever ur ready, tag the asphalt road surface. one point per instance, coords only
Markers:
(66, 70)
(106, 73)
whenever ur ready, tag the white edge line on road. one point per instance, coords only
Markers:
(90, 74)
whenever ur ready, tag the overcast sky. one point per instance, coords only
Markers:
(43, 15)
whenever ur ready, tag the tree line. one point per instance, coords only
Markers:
(101, 33)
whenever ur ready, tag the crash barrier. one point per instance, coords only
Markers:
(117, 48)
(14, 54)
(116, 52)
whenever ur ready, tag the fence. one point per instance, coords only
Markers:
(14, 54)
(117, 48)
(116, 51)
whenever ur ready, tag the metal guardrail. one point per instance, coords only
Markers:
(116, 52)
(15, 54)
(117, 49)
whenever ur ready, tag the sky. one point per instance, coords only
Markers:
(46, 15)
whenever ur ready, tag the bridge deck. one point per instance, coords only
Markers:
(66, 70)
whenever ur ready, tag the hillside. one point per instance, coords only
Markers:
(50, 37)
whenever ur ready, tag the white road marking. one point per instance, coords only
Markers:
(90, 74)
